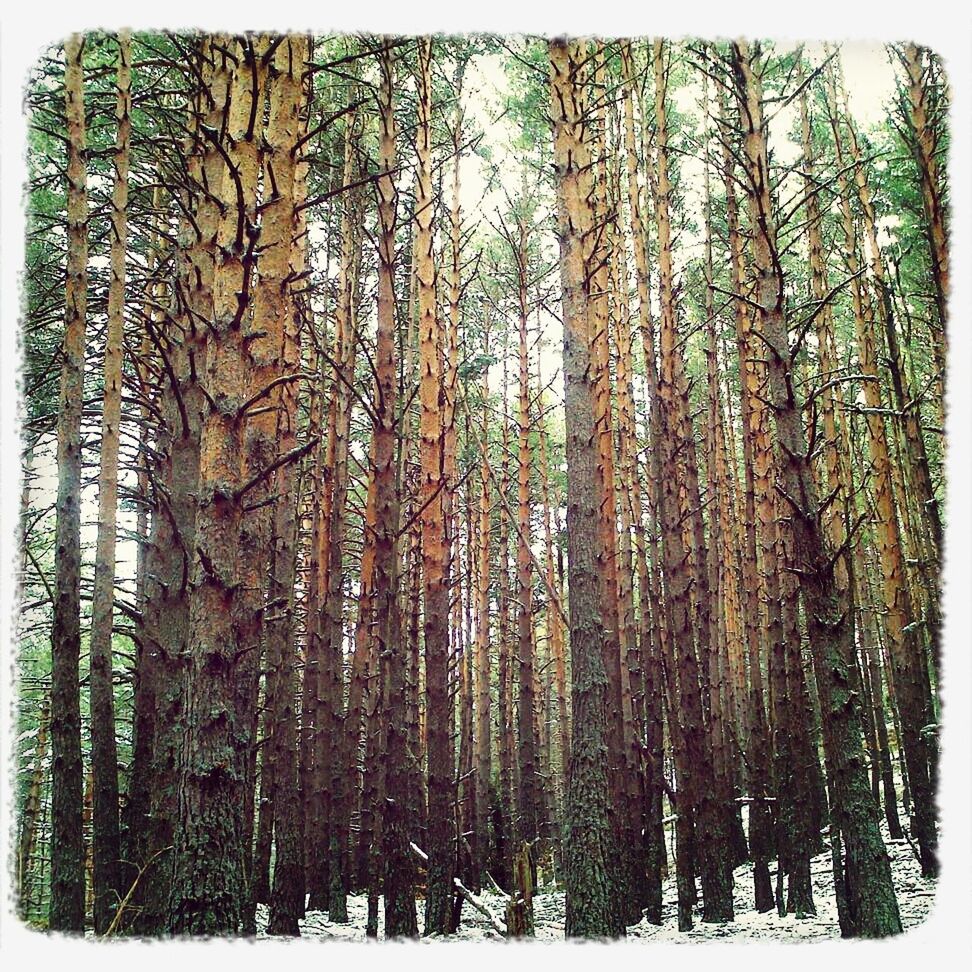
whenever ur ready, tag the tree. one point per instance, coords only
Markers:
(592, 906)
(873, 905)
(67, 875)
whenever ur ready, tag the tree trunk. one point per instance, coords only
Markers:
(209, 881)
(903, 636)
(593, 910)
(284, 227)
(682, 554)
(400, 920)
(104, 751)
(435, 545)
(867, 872)
(67, 846)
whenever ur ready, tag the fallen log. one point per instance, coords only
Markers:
(477, 903)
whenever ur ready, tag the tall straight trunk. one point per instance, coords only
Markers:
(527, 824)
(283, 232)
(398, 884)
(183, 350)
(682, 559)
(468, 864)
(136, 817)
(781, 633)
(104, 750)
(720, 616)
(593, 910)
(872, 659)
(632, 676)
(67, 847)
(332, 637)
(210, 859)
(434, 510)
(362, 687)
(473, 821)
(907, 654)
(684, 829)
(316, 673)
(804, 826)
(412, 604)
(648, 593)
(755, 380)
(758, 763)
(483, 712)
(734, 648)
(262, 345)
(835, 478)
(506, 747)
(555, 627)
(614, 644)
(733, 535)
(873, 908)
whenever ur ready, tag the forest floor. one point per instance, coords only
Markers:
(916, 897)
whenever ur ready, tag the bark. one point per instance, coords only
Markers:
(67, 848)
(400, 920)
(363, 688)
(29, 816)
(632, 676)
(435, 543)
(555, 627)
(182, 348)
(872, 659)
(718, 500)
(482, 647)
(758, 753)
(614, 646)
(649, 593)
(284, 227)
(527, 824)
(506, 745)
(104, 751)
(317, 674)
(682, 553)
(332, 638)
(925, 148)
(914, 705)
(208, 894)
(593, 910)
(136, 817)
(467, 842)
(873, 910)
(262, 345)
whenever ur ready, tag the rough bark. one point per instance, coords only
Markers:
(284, 227)
(682, 554)
(104, 751)
(873, 909)
(67, 858)
(593, 911)
(914, 705)
(435, 547)
(210, 860)
(400, 919)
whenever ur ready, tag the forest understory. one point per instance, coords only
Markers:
(916, 899)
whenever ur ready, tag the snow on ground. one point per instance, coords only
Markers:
(916, 897)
